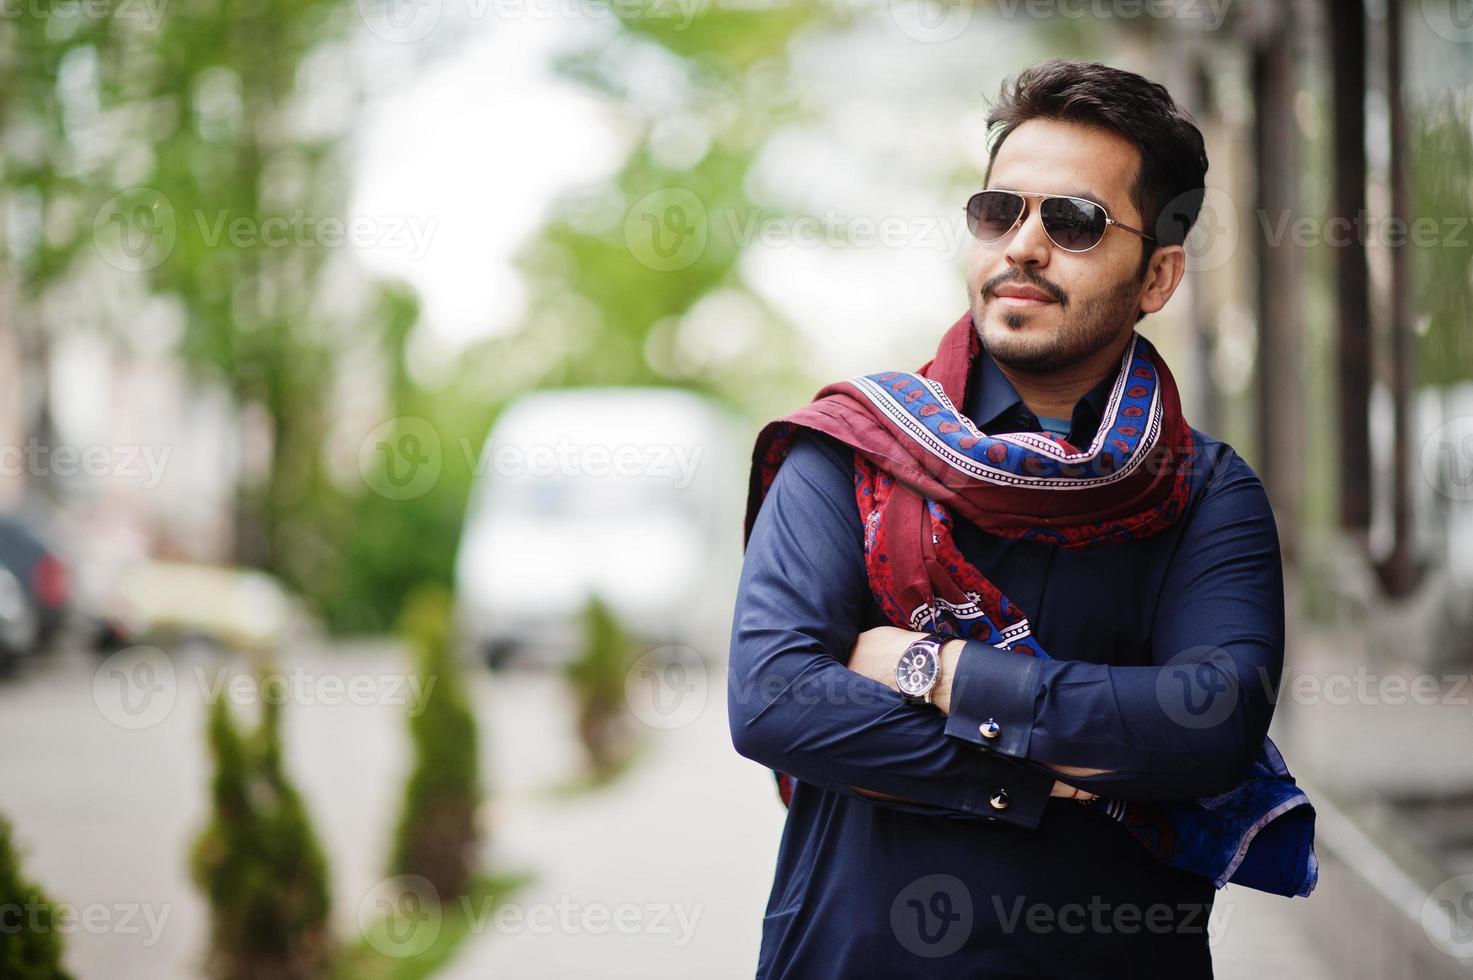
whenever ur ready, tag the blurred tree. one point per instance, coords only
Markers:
(258, 861)
(243, 111)
(1441, 164)
(438, 836)
(45, 192)
(188, 153)
(177, 171)
(384, 547)
(30, 944)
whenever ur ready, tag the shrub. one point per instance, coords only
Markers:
(258, 861)
(438, 836)
(30, 946)
(597, 676)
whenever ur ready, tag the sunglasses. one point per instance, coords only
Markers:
(1072, 223)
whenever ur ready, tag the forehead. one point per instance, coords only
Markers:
(1060, 157)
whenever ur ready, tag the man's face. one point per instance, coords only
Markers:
(1090, 298)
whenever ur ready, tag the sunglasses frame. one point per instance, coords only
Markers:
(1040, 196)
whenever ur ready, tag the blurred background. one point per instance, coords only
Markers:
(378, 382)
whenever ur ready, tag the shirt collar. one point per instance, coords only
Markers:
(995, 406)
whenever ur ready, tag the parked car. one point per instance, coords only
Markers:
(165, 603)
(631, 493)
(34, 592)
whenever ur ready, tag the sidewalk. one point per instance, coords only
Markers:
(1367, 728)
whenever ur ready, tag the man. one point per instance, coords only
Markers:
(1007, 626)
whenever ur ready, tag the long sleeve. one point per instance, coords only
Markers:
(795, 707)
(1190, 725)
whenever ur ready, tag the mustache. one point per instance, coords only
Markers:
(1013, 277)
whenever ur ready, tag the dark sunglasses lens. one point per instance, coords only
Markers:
(1073, 224)
(990, 214)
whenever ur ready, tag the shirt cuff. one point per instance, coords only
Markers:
(1006, 791)
(993, 695)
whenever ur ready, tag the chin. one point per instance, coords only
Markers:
(1002, 321)
(1019, 346)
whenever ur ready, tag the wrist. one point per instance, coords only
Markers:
(951, 652)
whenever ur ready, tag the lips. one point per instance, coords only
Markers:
(1022, 295)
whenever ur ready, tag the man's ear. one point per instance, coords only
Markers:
(1163, 274)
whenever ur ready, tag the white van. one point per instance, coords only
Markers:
(635, 494)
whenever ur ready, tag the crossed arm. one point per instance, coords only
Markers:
(875, 654)
(806, 694)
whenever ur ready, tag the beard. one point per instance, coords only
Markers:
(1080, 334)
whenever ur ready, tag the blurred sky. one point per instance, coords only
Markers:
(481, 140)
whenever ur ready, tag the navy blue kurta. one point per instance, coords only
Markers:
(952, 884)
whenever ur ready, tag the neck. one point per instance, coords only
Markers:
(1055, 393)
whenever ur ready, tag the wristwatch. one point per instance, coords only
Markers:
(919, 668)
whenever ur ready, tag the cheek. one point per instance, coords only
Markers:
(983, 262)
(1084, 279)
(976, 264)
(1124, 258)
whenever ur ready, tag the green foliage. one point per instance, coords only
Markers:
(380, 549)
(258, 861)
(395, 546)
(165, 140)
(30, 946)
(597, 676)
(438, 836)
(729, 40)
(1441, 161)
(602, 308)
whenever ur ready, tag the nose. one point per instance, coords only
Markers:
(1030, 244)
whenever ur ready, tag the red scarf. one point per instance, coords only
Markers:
(918, 458)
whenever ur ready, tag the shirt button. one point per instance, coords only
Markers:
(989, 729)
(999, 800)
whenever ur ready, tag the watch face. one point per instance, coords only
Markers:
(916, 671)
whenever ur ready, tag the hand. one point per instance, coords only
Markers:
(1068, 792)
(1073, 792)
